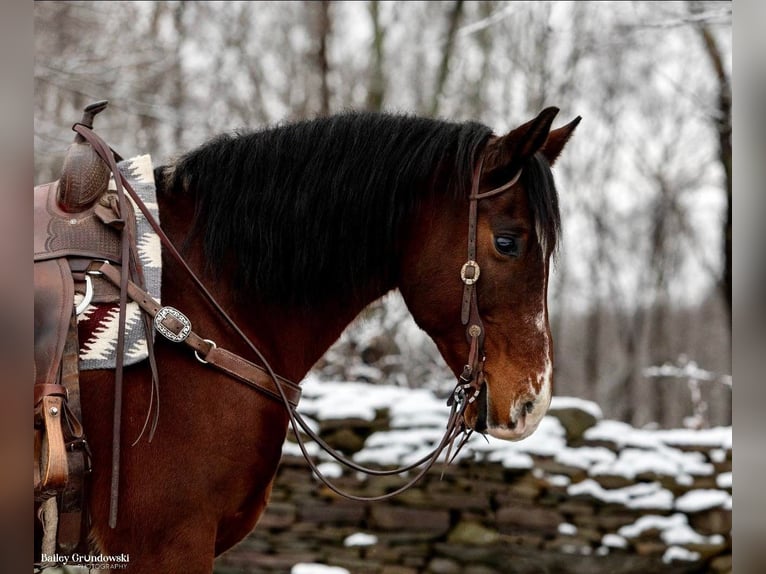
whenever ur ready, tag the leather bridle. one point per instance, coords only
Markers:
(175, 326)
(472, 377)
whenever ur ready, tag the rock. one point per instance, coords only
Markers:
(391, 517)
(354, 564)
(473, 534)
(459, 501)
(416, 561)
(377, 348)
(550, 466)
(612, 519)
(479, 569)
(524, 489)
(721, 564)
(650, 547)
(278, 515)
(341, 513)
(708, 549)
(563, 544)
(576, 508)
(479, 518)
(527, 519)
(574, 420)
(612, 481)
(713, 521)
(443, 566)
(345, 440)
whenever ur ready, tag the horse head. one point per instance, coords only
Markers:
(515, 229)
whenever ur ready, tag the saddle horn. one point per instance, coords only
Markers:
(85, 176)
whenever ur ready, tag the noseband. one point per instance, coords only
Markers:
(471, 379)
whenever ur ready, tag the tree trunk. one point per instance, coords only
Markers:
(376, 89)
(722, 123)
(178, 96)
(659, 354)
(723, 127)
(593, 352)
(324, 28)
(449, 45)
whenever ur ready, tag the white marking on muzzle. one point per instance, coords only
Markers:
(545, 378)
(540, 387)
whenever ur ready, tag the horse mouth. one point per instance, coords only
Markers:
(480, 425)
(522, 421)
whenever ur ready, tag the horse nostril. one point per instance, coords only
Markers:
(521, 415)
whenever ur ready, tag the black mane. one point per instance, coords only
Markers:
(311, 210)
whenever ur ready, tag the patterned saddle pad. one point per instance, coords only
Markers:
(97, 324)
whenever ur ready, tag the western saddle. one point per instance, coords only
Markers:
(77, 220)
(85, 252)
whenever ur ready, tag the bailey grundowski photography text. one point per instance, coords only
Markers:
(91, 560)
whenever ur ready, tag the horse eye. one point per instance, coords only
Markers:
(507, 245)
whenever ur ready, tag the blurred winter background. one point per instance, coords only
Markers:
(641, 293)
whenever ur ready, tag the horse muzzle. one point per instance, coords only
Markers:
(514, 424)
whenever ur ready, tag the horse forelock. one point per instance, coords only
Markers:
(314, 210)
(543, 201)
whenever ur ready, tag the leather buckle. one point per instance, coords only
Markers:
(179, 328)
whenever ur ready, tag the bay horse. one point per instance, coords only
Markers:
(295, 229)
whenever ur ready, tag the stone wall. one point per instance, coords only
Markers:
(611, 499)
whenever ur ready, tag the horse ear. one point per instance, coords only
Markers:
(505, 154)
(557, 139)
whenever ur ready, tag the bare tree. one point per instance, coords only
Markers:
(721, 122)
(447, 50)
(377, 81)
(323, 33)
(178, 96)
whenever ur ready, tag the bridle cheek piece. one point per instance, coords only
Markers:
(471, 380)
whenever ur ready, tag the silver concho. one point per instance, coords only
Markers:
(475, 272)
(166, 312)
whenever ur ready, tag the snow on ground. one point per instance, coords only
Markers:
(559, 480)
(561, 403)
(330, 469)
(622, 434)
(418, 419)
(674, 530)
(724, 480)
(679, 553)
(703, 499)
(292, 449)
(360, 539)
(660, 460)
(614, 541)
(640, 495)
(312, 568)
(584, 457)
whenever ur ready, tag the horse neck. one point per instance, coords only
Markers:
(290, 337)
(295, 340)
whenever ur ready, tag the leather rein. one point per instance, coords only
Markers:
(175, 326)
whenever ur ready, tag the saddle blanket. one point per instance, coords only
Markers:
(97, 325)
